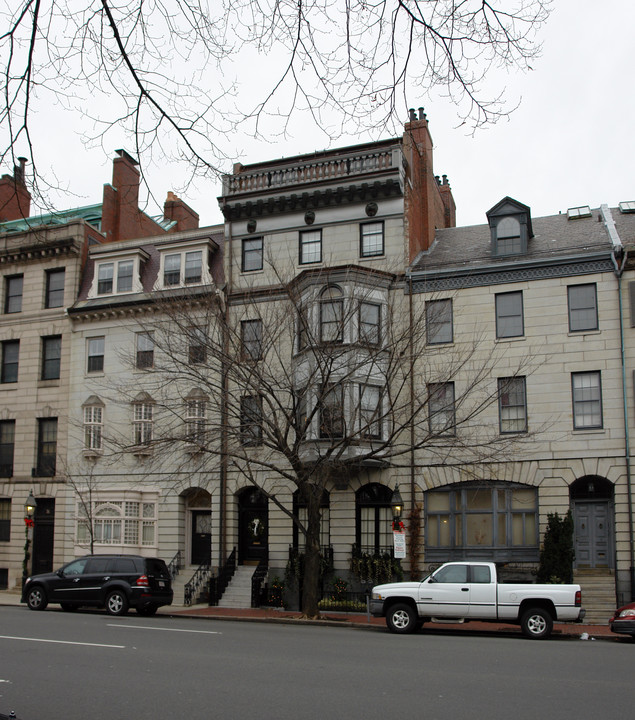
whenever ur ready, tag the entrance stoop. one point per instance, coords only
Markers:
(598, 594)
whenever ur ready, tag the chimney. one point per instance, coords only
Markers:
(15, 199)
(428, 203)
(120, 217)
(175, 209)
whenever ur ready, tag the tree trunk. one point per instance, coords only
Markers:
(312, 559)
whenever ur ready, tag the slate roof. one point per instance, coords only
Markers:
(555, 238)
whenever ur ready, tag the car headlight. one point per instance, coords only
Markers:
(376, 596)
(629, 612)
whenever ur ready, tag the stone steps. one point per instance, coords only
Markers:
(238, 592)
(598, 596)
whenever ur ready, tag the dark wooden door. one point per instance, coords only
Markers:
(201, 537)
(43, 533)
(253, 527)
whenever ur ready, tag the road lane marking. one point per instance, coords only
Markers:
(60, 642)
(146, 627)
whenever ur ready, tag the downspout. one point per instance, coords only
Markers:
(618, 258)
(412, 406)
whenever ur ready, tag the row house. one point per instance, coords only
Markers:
(42, 263)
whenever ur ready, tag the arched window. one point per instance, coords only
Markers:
(493, 520)
(373, 519)
(508, 237)
(300, 510)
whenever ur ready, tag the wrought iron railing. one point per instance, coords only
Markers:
(257, 580)
(193, 587)
(218, 583)
(175, 565)
(346, 601)
(376, 565)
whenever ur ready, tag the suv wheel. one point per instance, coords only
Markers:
(36, 598)
(117, 603)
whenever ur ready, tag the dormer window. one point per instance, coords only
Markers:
(508, 236)
(117, 274)
(183, 266)
(510, 228)
(104, 278)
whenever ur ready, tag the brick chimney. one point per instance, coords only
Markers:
(175, 209)
(428, 204)
(15, 199)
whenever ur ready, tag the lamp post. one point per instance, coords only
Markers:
(396, 504)
(29, 512)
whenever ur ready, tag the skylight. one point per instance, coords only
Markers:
(627, 206)
(579, 212)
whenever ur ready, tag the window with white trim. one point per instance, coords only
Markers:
(95, 348)
(143, 422)
(371, 239)
(120, 522)
(310, 246)
(583, 308)
(145, 350)
(369, 323)
(370, 411)
(512, 405)
(586, 391)
(93, 427)
(195, 419)
(509, 314)
(439, 322)
(441, 408)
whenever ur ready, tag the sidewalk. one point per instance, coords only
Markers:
(358, 620)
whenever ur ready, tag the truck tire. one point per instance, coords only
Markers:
(402, 618)
(536, 623)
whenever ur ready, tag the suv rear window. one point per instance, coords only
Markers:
(156, 567)
(123, 565)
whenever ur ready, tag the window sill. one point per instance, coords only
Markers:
(92, 454)
(53, 382)
(589, 431)
(583, 333)
(514, 338)
(142, 450)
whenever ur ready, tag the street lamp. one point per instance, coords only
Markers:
(396, 504)
(29, 512)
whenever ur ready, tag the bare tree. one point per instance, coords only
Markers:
(313, 386)
(177, 79)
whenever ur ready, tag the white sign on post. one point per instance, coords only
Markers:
(399, 542)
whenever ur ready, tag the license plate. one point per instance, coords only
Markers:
(161, 583)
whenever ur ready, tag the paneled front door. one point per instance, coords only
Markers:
(592, 534)
(201, 537)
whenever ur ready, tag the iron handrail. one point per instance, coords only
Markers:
(199, 578)
(175, 564)
(218, 583)
(257, 579)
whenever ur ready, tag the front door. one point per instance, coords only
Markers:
(253, 523)
(201, 537)
(592, 534)
(43, 532)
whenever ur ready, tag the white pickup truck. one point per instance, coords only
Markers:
(463, 591)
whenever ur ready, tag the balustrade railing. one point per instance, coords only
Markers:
(175, 565)
(218, 583)
(310, 172)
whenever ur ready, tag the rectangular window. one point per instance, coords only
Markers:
(7, 446)
(371, 239)
(251, 337)
(303, 328)
(104, 278)
(509, 315)
(46, 447)
(331, 321)
(586, 389)
(439, 326)
(13, 294)
(54, 288)
(95, 354)
(252, 254)
(369, 323)
(51, 357)
(441, 408)
(196, 412)
(193, 267)
(251, 420)
(370, 411)
(332, 412)
(583, 309)
(145, 351)
(10, 358)
(172, 270)
(5, 519)
(124, 276)
(197, 346)
(142, 423)
(93, 427)
(310, 246)
(512, 405)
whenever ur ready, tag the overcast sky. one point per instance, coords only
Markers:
(571, 142)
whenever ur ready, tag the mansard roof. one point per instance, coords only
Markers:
(462, 257)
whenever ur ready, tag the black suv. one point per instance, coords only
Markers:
(116, 582)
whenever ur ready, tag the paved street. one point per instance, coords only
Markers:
(58, 666)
